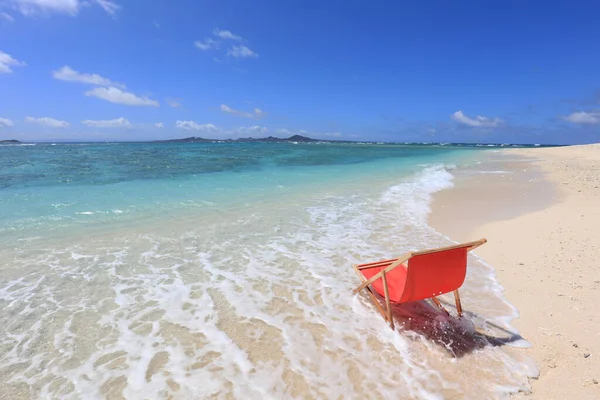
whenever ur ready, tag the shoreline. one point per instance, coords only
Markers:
(538, 208)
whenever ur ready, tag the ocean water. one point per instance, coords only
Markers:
(223, 270)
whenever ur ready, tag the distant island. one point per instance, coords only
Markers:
(10, 141)
(193, 139)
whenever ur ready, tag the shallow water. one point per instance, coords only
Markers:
(231, 276)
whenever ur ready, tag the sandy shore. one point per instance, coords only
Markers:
(540, 211)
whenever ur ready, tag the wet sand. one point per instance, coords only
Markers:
(540, 211)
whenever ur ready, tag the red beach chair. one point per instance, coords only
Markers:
(416, 276)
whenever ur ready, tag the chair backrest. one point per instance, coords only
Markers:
(435, 272)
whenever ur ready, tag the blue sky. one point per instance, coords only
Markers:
(474, 71)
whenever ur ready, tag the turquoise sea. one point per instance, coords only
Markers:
(223, 270)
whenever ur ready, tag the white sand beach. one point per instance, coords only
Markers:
(543, 228)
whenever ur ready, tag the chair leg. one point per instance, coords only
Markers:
(439, 304)
(387, 301)
(377, 304)
(458, 304)
(372, 296)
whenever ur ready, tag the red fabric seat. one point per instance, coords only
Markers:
(426, 276)
(417, 276)
(396, 280)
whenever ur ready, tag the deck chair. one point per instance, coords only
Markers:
(417, 276)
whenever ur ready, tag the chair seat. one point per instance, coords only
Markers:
(396, 280)
(417, 275)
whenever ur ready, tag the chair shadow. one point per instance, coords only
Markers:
(457, 335)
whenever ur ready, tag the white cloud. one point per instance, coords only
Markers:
(68, 74)
(224, 34)
(159, 125)
(584, 117)
(241, 51)
(68, 7)
(32, 7)
(255, 130)
(333, 134)
(156, 24)
(252, 129)
(257, 113)
(6, 17)
(173, 102)
(478, 121)
(5, 122)
(111, 123)
(115, 95)
(108, 6)
(193, 126)
(237, 51)
(6, 62)
(45, 121)
(207, 44)
(284, 132)
(108, 90)
(227, 109)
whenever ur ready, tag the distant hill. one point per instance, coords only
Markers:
(11, 141)
(193, 139)
(300, 138)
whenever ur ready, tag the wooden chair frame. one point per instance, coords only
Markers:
(396, 262)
